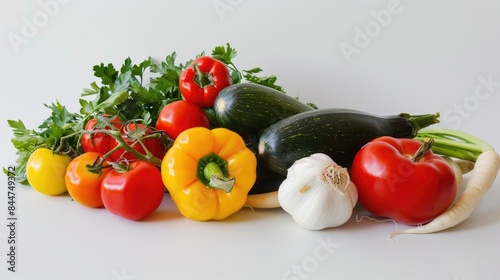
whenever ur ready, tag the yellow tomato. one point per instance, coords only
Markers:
(45, 171)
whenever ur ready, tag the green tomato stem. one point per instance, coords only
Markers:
(423, 149)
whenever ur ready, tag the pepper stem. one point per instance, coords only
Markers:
(212, 171)
(424, 148)
(202, 79)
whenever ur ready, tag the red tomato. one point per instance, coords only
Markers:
(391, 183)
(99, 142)
(84, 186)
(154, 145)
(133, 194)
(180, 115)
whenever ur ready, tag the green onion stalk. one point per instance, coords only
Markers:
(454, 143)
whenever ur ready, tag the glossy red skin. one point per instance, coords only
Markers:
(204, 96)
(154, 145)
(98, 142)
(391, 185)
(134, 194)
(180, 115)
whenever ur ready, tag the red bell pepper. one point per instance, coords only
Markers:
(202, 81)
(403, 180)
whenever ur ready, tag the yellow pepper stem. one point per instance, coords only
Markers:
(212, 171)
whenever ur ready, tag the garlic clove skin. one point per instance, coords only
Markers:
(311, 199)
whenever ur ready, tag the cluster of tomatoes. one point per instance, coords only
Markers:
(127, 180)
(124, 185)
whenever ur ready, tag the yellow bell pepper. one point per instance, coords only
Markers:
(209, 173)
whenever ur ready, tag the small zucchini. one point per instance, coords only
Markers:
(339, 133)
(248, 108)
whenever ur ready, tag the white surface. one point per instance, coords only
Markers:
(429, 57)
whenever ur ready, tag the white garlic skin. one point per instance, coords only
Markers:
(310, 200)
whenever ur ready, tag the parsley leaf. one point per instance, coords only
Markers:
(136, 91)
(167, 80)
(226, 55)
(107, 73)
(61, 123)
(269, 81)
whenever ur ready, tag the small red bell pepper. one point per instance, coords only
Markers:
(403, 180)
(202, 81)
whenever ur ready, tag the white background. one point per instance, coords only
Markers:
(425, 57)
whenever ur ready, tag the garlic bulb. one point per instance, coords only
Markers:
(318, 193)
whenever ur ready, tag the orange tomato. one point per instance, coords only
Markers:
(85, 186)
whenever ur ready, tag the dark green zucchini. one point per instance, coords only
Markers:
(339, 133)
(267, 181)
(249, 108)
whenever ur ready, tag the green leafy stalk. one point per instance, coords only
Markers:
(128, 94)
(227, 54)
(454, 143)
(269, 81)
(59, 124)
